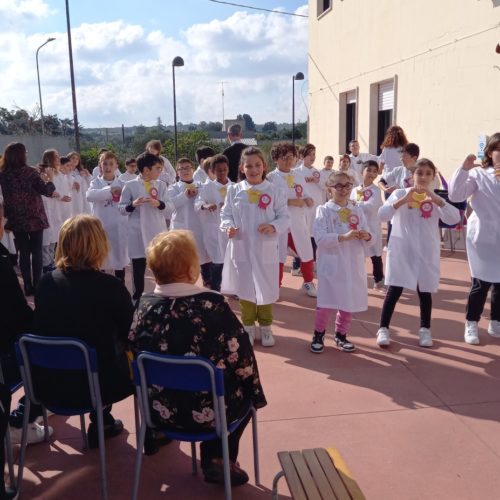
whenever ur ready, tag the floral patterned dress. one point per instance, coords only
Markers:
(198, 325)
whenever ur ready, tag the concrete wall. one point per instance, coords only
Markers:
(37, 144)
(442, 55)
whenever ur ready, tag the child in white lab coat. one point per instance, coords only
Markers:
(482, 184)
(294, 186)
(183, 195)
(104, 193)
(202, 153)
(145, 201)
(324, 173)
(368, 196)
(168, 172)
(210, 199)
(130, 173)
(254, 216)
(341, 234)
(81, 182)
(345, 166)
(414, 250)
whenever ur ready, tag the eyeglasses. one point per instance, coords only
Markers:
(184, 169)
(288, 157)
(339, 187)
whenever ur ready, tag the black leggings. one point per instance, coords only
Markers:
(393, 294)
(477, 299)
(378, 268)
(30, 255)
(138, 272)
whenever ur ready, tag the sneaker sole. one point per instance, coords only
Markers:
(472, 341)
(425, 344)
(384, 343)
(493, 334)
(316, 351)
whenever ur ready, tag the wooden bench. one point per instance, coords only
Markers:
(318, 474)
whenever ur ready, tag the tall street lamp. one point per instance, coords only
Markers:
(72, 74)
(176, 63)
(38, 76)
(298, 76)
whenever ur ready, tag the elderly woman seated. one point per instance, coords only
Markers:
(181, 318)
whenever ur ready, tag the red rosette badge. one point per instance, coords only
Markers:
(316, 175)
(426, 208)
(367, 194)
(353, 221)
(264, 201)
(299, 190)
(154, 193)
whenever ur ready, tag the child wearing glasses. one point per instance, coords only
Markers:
(341, 233)
(482, 183)
(414, 250)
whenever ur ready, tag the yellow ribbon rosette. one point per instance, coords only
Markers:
(223, 191)
(191, 187)
(253, 196)
(290, 181)
(344, 214)
(417, 199)
(360, 195)
(147, 186)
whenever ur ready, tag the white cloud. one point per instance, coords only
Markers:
(123, 74)
(19, 10)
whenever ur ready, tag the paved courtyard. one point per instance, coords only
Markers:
(411, 423)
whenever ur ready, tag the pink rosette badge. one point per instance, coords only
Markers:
(367, 194)
(316, 175)
(264, 201)
(353, 221)
(115, 194)
(154, 193)
(299, 190)
(426, 208)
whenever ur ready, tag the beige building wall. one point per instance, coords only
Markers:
(441, 54)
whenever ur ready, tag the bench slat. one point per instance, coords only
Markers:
(345, 474)
(291, 476)
(332, 474)
(319, 476)
(305, 476)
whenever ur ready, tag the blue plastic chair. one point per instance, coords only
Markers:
(60, 353)
(190, 374)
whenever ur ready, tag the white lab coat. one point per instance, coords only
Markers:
(391, 158)
(214, 239)
(105, 208)
(186, 217)
(356, 178)
(50, 234)
(370, 200)
(145, 221)
(342, 281)
(168, 175)
(414, 249)
(251, 265)
(290, 184)
(402, 178)
(200, 176)
(483, 229)
(324, 175)
(62, 209)
(125, 177)
(316, 191)
(357, 161)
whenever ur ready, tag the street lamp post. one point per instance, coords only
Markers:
(298, 76)
(72, 75)
(38, 76)
(176, 63)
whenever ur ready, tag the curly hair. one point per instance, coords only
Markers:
(394, 138)
(281, 149)
(493, 144)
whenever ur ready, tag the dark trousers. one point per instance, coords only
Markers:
(296, 260)
(216, 278)
(477, 298)
(29, 245)
(4, 419)
(389, 225)
(138, 272)
(378, 268)
(206, 274)
(392, 297)
(120, 274)
(213, 449)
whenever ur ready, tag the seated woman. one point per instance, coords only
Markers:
(78, 300)
(182, 319)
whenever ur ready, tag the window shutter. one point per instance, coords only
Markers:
(386, 95)
(351, 97)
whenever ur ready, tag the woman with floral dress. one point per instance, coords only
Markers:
(183, 319)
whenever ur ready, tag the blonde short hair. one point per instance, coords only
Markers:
(82, 244)
(173, 258)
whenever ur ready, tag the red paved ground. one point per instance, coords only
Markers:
(411, 423)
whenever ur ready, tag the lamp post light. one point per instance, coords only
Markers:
(72, 75)
(298, 76)
(38, 76)
(176, 63)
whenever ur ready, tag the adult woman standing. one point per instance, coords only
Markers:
(23, 188)
(182, 319)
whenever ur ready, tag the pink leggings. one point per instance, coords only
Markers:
(342, 321)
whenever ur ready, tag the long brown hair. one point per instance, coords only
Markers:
(252, 150)
(14, 156)
(492, 144)
(394, 138)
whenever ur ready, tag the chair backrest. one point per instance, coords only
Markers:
(461, 205)
(181, 373)
(57, 353)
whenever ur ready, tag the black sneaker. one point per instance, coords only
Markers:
(343, 344)
(318, 342)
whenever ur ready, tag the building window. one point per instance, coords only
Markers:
(323, 6)
(348, 125)
(382, 111)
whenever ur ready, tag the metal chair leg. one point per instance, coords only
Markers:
(24, 442)
(256, 467)
(84, 432)
(193, 458)
(138, 460)
(227, 470)
(277, 477)
(102, 453)
(9, 457)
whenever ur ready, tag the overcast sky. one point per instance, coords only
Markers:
(123, 51)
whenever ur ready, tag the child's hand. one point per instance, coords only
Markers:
(296, 202)
(266, 229)
(309, 202)
(56, 195)
(211, 207)
(434, 198)
(353, 234)
(76, 186)
(154, 203)
(469, 164)
(364, 235)
(138, 202)
(66, 198)
(231, 231)
(389, 189)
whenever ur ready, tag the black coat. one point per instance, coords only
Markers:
(233, 154)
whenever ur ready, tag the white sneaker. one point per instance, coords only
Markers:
(36, 433)
(250, 329)
(494, 328)
(267, 339)
(471, 335)
(296, 272)
(379, 285)
(425, 338)
(383, 337)
(310, 289)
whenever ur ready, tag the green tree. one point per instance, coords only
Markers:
(270, 127)
(188, 143)
(249, 124)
